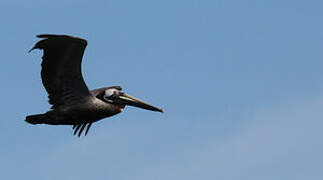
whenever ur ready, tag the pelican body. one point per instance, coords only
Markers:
(72, 102)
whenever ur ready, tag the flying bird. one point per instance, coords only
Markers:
(72, 102)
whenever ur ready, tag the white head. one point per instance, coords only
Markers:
(111, 94)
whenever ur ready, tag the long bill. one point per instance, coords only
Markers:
(131, 101)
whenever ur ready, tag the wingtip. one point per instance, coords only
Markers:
(31, 49)
(47, 35)
(61, 36)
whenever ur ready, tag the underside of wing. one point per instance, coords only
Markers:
(61, 68)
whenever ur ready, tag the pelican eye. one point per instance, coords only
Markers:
(110, 94)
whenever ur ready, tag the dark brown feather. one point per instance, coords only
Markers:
(61, 68)
(81, 130)
(88, 128)
(77, 128)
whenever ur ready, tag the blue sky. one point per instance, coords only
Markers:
(241, 83)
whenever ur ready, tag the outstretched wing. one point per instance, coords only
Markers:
(61, 68)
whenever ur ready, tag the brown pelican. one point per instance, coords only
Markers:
(72, 102)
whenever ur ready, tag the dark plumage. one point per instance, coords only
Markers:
(72, 102)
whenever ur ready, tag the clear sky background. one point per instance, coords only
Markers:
(241, 83)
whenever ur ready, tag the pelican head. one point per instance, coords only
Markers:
(114, 95)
